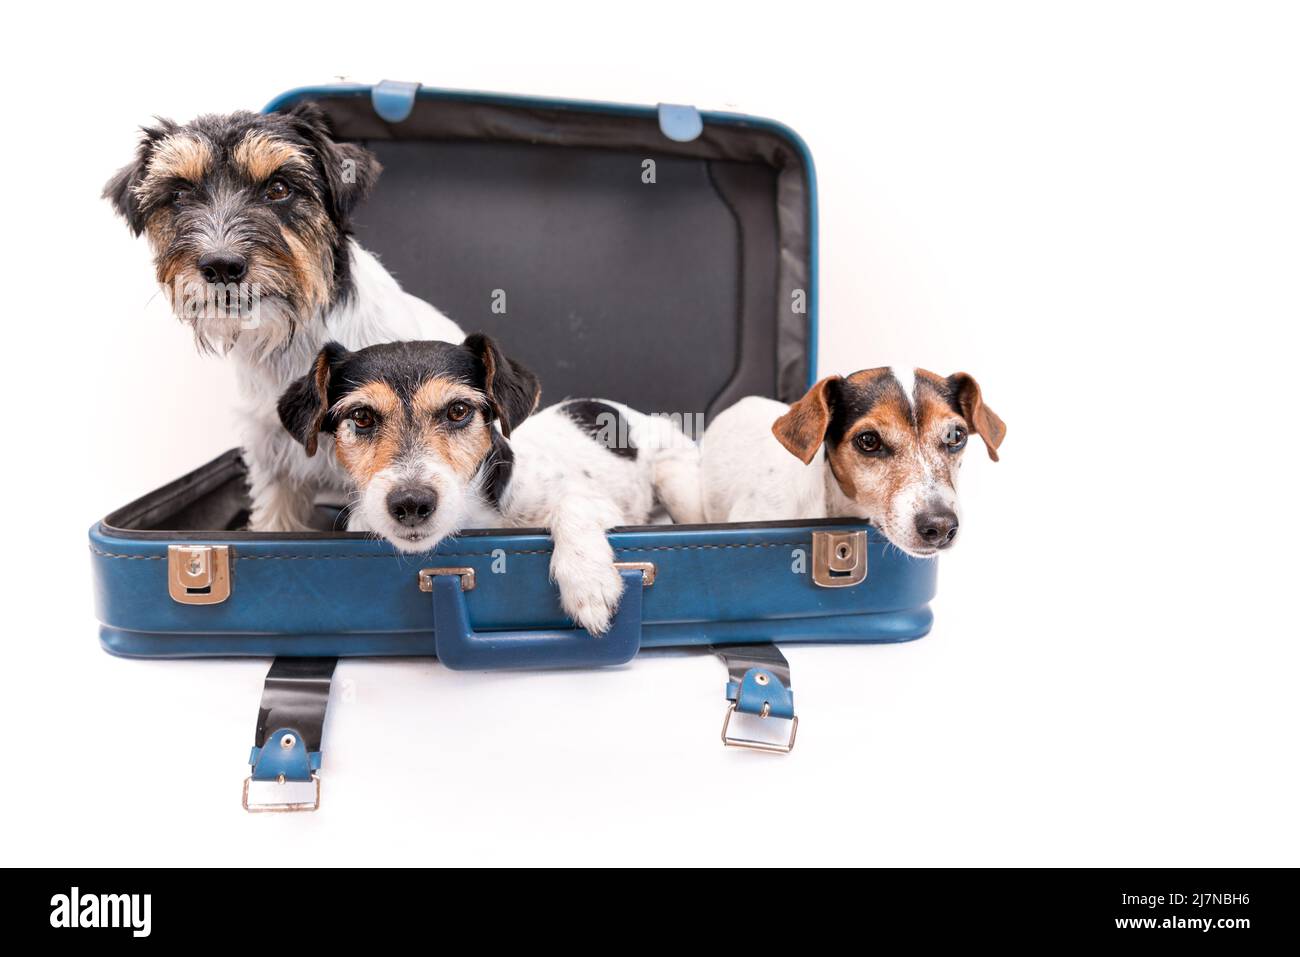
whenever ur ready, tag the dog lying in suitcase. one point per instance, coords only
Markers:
(438, 437)
(881, 444)
(253, 197)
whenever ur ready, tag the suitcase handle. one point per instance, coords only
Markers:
(461, 648)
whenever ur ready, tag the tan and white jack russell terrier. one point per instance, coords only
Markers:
(881, 444)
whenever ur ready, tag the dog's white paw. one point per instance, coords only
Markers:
(590, 592)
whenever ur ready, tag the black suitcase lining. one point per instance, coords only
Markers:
(609, 281)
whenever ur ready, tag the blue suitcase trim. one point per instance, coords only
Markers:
(349, 595)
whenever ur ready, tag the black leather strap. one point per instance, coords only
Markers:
(295, 695)
(740, 658)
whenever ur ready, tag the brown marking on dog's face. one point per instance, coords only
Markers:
(461, 443)
(177, 164)
(365, 452)
(439, 428)
(261, 155)
(868, 481)
(425, 439)
(894, 457)
(309, 261)
(183, 157)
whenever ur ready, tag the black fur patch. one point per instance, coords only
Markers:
(403, 366)
(497, 468)
(950, 394)
(604, 423)
(850, 401)
(512, 389)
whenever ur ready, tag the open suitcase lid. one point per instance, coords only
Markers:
(661, 257)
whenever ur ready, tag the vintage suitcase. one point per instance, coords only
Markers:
(662, 257)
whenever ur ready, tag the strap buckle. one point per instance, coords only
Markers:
(286, 750)
(758, 685)
(281, 795)
(754, 744)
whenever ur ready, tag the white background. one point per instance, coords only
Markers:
(1093, 207)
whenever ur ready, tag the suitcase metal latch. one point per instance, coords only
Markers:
(839, 558)
(466, 575)
(198, 574)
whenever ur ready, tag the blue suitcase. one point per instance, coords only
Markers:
(662, 257)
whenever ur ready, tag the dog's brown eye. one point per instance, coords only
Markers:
(363, 419)
(276, 191)
(868, 441)
(458, 411)
(955, 439)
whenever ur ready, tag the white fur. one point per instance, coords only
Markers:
(283, 481)
(905, 376)
(748, 476)
(459, 505)
(566, 481)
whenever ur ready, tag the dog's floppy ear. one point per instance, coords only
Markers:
(303, 406)
(350, 171)
(982, 420)
(120, 190)
(512, 389)
(803, 429)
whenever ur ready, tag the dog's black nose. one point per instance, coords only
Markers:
(412, 506)
(223, 267)
(937, 527)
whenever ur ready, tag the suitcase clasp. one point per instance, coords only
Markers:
(393, 100)
(198, 574)
(679, 122)
(839, 559)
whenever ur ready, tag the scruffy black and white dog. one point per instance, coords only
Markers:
(248, 218)
(438, 437)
